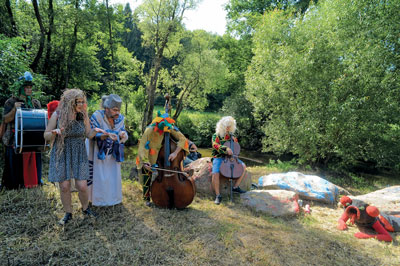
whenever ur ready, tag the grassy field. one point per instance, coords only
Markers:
(202, 234)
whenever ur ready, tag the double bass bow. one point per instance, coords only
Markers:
(171, 188)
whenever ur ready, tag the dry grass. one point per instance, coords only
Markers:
(203, 234)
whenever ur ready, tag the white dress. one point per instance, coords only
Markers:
(106, 187)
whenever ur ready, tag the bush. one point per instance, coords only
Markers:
(198, 127)
(249, 130)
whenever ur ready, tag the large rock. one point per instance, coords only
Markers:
(386, 200)
(272, 202)
(309, 187)
(202, 177)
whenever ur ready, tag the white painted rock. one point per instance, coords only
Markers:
(386, 200)
(310, 187)
(202, 177)
(272, 202)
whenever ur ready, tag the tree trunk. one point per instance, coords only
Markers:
(151, 91)
(159, 46)
(111, 46)
(179, 105)
(73, 45)
(51, 25)
(14, 31)
(151, 88)
(35, 62)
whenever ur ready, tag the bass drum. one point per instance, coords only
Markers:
(30, 125)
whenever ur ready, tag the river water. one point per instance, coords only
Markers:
(246, 156)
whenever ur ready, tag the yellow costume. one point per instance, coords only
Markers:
(150, 145)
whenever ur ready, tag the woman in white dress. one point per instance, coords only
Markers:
(106, 153)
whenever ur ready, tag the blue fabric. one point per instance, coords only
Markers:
(100, 114)
(147, 146)
(194, 156)
(118, 152)
(187, 161)
(217, 164)
(116, 149)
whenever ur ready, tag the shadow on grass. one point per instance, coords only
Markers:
(262, 239)
(133, 234)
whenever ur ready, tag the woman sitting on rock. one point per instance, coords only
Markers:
(225, 128)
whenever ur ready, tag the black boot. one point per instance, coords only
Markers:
(218, 199)
(66, 218)
(89, 213)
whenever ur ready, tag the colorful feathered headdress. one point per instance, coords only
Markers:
(163, 123)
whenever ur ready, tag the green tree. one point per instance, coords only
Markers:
(8, 26)
(129, 72)
(160, 21)
(198, 73)
(328, 82)
(13, 63)
(131, 38)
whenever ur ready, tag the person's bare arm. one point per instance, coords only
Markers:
(51, 129)
(91, 132)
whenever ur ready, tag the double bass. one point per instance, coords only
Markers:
(231, 168)
(172, 188)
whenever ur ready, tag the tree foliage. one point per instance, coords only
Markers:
(198, 72)
(243, 16)
(160, 21)
(13, 63)
(327, 82)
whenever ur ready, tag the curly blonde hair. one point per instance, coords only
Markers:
(223, 123)
(67, 114)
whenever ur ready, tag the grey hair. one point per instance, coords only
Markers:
(103, 99)
(111, 101)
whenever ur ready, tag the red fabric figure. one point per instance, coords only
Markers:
(367, 218)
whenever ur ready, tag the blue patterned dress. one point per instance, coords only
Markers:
(73, 161)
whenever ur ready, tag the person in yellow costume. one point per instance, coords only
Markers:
(150, 145)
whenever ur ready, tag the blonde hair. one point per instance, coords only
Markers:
(223, 123)
(67, 114)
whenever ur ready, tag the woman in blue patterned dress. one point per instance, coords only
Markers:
(68, 128)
